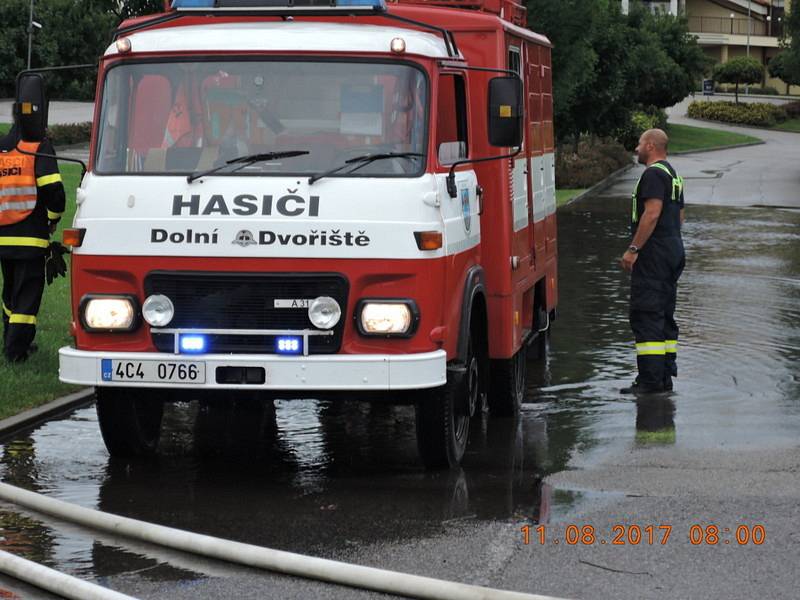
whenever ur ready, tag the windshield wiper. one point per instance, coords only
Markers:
(362, 161)
(246, 161)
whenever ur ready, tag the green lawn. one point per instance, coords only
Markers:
(564, 196)
(4, 127)
(35, 382)
(790, 125)
(685, 138)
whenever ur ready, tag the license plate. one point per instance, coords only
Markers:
(291, 303)
(153, 371)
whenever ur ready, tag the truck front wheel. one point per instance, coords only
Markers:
(508, 380)
(443, 414)
(130, 421)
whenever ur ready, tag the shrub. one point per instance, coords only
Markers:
(641, 121)
(69, 133)
(792, 109)
(759, 114)
(591, 164)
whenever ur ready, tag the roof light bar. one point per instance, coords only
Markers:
(281, 6)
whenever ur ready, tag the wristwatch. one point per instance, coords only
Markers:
(633, 249)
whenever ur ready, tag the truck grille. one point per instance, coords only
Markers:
(245, 301)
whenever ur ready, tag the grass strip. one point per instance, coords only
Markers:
(35, 382)
(789, 125)
(564, 196)
(687, 138)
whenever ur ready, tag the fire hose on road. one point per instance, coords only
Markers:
(356, 576)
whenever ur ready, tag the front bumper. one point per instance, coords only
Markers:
(325, 372)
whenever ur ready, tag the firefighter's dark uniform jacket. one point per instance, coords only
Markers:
(23, 244)
(654, 281)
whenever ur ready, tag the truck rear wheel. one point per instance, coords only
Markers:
(130, 421)
(443, 415)
(508, 379)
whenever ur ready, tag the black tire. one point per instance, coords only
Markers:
(443, 415)
(508, 379)
(130, 421)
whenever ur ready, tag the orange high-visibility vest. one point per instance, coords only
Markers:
(17, 183)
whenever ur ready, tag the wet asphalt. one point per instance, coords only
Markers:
(342, 480)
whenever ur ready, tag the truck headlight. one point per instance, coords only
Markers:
(387, 318)
(324, 312)
(108, 313)
(158, 310)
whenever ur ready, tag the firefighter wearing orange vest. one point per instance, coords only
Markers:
(32, 201)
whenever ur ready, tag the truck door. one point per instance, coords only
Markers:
(450, 130)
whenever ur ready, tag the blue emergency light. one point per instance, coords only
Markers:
(193, 344)
(279, 5)
(289, 345)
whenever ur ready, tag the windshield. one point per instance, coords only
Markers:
(184, 117)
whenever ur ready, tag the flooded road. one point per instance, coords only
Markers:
(343, 481)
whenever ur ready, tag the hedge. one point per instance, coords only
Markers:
(69, 133)
(592, 163)
(759, 114)
(792, 109)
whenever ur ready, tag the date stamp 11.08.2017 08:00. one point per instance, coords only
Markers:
(644, 535)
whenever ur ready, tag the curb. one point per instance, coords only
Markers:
(716, 148)
(599, 186)
(34, 416)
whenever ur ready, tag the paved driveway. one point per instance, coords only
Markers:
(60, 112)
(764, 175)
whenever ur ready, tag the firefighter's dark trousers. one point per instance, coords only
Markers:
(23, 285)
(654, 289)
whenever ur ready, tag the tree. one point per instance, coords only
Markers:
(138, 8)
(670, 59)
(786, 65)
(780, 66)
(574, 59)
(606, 65)
(73, 32)
(743, 69)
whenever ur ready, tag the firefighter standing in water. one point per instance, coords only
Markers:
(655, 259)
(32, 201)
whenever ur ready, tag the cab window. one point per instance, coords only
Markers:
(451, 119)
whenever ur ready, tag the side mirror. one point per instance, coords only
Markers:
(505, 111)
(31, 107)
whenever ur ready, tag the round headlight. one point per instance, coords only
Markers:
(158, 310)
(324, 312)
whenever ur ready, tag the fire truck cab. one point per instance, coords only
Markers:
(341, 199)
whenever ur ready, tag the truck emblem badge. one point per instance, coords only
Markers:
(465, 209)
(244, 238)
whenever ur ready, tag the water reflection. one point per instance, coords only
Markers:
(655, 420)
(320, 477)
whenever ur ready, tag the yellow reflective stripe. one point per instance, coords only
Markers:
(53, 215)
(650, 348)
(671, 346)
(24, 241)
(5, 310)
(22, 319)
(677, 182)
(48, 179)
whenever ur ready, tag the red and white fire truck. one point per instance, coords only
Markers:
(317, 199)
